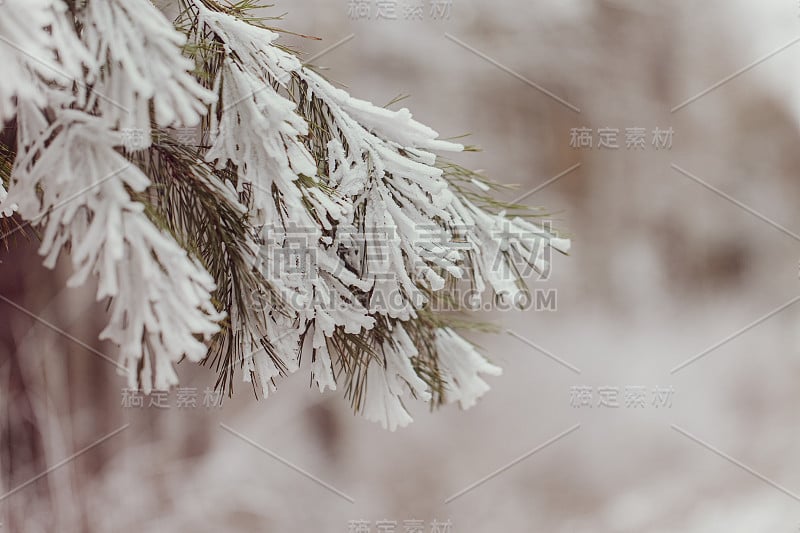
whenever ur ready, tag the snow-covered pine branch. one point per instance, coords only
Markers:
(297, 222)
(70, 175)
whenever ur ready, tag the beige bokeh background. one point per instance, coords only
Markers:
(662, 268)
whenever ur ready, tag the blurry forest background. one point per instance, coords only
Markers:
(675, 250)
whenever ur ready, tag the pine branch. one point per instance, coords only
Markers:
(290, 220)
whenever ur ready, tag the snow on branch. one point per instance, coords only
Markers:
(160, 297)
(295, 222)
(139, 61)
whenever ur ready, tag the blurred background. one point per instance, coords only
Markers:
(679, 295)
